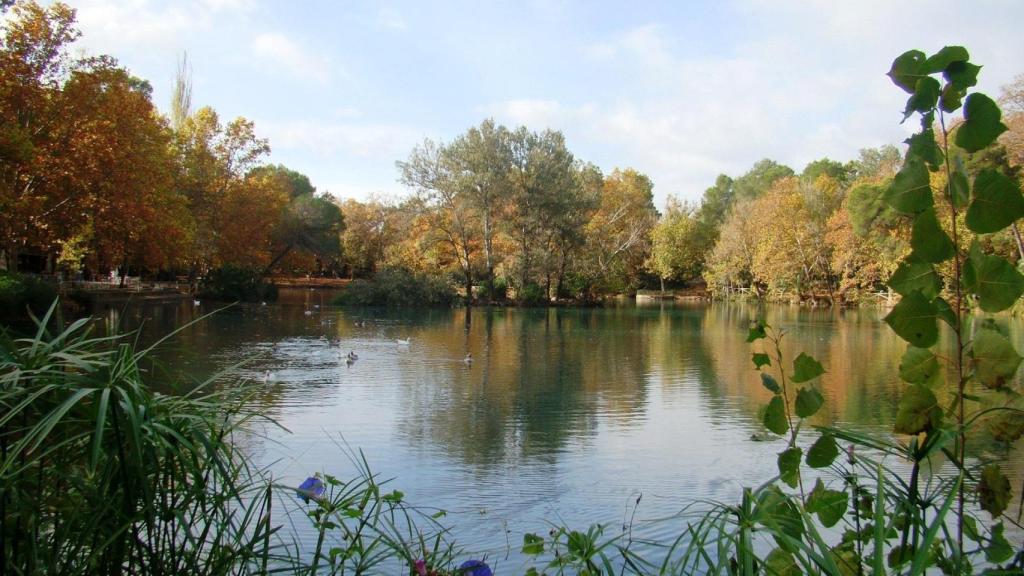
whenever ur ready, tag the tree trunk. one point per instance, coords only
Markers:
(124, 271)
(488, 256)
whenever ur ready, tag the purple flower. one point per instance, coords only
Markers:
(475, 568)
(421, 567)
(312, 487)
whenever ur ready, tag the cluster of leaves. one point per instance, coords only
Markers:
(517, 203)
(398, 287)
(92, 175)
(22, 295)
(236, 284)
(892, 519)
(831, 228)
(99, 474)
(361, 528)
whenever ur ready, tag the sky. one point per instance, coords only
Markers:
(680, 90)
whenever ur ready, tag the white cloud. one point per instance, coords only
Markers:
(120, 25)
(285, 55)
(385, 142)
(809, 83)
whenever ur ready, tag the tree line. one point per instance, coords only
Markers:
(94, 178)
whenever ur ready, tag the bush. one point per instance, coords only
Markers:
(20, 293)
(234, 284)
(500, 288)
(398, 287)
(533, 295)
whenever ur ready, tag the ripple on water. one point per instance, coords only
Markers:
(564, 416)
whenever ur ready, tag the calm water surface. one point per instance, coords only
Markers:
(564, 416)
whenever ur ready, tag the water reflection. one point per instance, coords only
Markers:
(565, 415)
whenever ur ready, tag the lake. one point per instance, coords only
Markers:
(564, 416)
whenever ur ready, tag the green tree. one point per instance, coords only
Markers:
(678, 244)
(310, 222)
(543, 185)
(482, 160)
(444, 206)
(759, 179)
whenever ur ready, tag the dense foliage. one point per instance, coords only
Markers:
(515, 203)
(235, 284)
(22, 295)
(398, 287)
(93, 178)
(866, 514)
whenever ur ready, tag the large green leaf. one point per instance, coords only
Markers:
(761, 359)
(823, 452)
(910, 191)
(959, 185)
(781, 563)
(757, 331)
(961, 75)
(906, 70)
(532, 544)
(995, 282)
(939, 61)
(829, 505)
(951, 98)
(789, 466)
(997, 203)
(999, 548)
(775, 416)
(928, 240)
(918, 411)
(808, 402)
(914, 320)
(919, 366)
(776, 510)
(913, 274)
(924, 98)
(994, 357)
(981, 125)
(993, 490)
(924, 146)
(945, 312)
(806, 368)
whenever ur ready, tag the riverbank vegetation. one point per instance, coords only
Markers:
(93, 178)
(103, 473)
(126, 188)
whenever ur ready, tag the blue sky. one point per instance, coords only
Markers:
(679, 90)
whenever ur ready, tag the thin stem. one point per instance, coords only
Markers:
(958, 330)
(789, 416)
